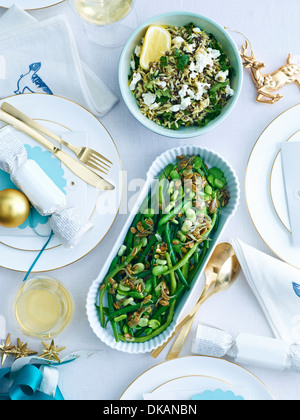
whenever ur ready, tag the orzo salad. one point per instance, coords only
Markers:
(189, 85)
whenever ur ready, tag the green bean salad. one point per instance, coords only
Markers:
(162, 251)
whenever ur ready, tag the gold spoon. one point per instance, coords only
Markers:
(221, 271)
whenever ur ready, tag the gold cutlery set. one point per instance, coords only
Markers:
(88, 161)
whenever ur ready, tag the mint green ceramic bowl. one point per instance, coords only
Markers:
(180, 19)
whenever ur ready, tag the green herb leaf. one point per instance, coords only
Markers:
(183, 62)
(183, 59)
(213, 92)
(164, 61)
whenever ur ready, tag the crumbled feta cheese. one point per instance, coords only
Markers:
(162, 84)
(229, 91)
(202, 88)
(149, 98)
(203, 59)
(154, 106)
(138, 50)
(135, 79)
(185, 103)
(222, 76)
(178, 41)
(213, 53)
(183, 91)
(190, 93)
(175, 108)
(132, 65)
(190, 48)
(193, 73)
(192, 66)
(197, 30)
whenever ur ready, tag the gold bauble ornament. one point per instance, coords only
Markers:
(14, 208)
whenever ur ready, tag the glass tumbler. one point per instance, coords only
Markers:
(107, 22)
(43, 307)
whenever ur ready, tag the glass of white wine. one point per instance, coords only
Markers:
(43, 307)
(107, 22)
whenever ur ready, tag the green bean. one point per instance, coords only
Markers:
(195, 270)
(146, 251)
(181, 276)
(184, 260)
(154, 286)
(130, 236)
(144, 274)
(135, 295)
(120, 318)
(173, 282)
(185, 268)
(126, 310)
(112, 321)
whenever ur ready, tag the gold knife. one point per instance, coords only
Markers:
(74, 165)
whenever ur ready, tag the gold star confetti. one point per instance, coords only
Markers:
(6, 349)
(51, 352)
(22, 350)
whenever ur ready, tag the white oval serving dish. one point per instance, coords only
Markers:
(211, 159)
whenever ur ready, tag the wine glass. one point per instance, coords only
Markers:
(107, 22)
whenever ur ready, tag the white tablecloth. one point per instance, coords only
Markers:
(273, 28)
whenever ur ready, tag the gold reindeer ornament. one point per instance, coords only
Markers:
(266, 84)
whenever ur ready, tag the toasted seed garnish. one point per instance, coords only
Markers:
(140, 227)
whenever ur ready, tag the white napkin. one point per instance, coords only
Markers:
(290, 153)
(42, 57)
(276, 286)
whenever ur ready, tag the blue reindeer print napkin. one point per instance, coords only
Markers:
(276, 286)
(42, 57)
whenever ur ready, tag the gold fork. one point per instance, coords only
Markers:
(86, 155)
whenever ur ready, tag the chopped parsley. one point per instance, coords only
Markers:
(183, 60)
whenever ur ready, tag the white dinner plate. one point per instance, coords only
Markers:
(264, 187)
(196, 373)
(30, 4)
(18, 251)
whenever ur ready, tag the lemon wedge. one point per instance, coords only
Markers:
(156, 43)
